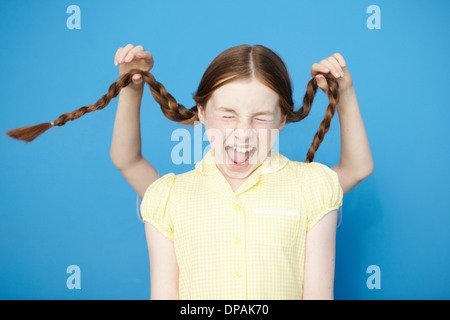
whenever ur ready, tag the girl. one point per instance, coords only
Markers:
(240, 225)
(247, 222)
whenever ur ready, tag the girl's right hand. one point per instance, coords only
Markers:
(131, 57)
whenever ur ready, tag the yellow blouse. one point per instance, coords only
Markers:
(248, 244)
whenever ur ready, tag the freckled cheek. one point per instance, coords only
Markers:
(219, 129)
(266, 134)
(216, 135)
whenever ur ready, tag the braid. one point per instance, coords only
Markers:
(178, 113)
(169, 106)
(303, 112)
(333, 97)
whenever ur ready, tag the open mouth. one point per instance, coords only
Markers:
(240, 156)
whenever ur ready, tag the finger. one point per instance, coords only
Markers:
(336, 65)
(144, 55)
(340, 59)
(147, 57)
(117, 56)
(318, 68)
(132, 53)
(330, 66)
(321, 82)
(124, 52)
(137, 78)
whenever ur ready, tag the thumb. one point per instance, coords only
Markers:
(137, 79)
(321, 82)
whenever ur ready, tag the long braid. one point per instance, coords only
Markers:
(333, 97)
(178, 113)
(303, 112)
(169, 106)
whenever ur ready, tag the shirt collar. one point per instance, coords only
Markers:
(273, 162)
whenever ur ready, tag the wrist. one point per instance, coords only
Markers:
(346, 93)
(133, 89)
(347, 101)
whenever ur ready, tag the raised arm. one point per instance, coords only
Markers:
(356, 161)
(126, 140)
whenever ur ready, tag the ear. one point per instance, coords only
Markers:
(201, 113)
(283, 121)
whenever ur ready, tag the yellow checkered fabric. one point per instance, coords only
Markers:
(248, 244)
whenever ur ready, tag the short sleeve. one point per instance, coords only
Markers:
(139, 201)
(156, 206)
(322, 190)
(339, 217)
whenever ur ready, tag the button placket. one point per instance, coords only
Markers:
(238, 211)
(237, 239)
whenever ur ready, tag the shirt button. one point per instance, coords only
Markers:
(237, 240)
(236, 207)
(238, 274)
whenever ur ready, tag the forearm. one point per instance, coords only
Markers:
(126, 139)
(356, 157)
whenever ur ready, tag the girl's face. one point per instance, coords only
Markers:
(242, 121)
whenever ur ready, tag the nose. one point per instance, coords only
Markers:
(243, 125)
(244, 132)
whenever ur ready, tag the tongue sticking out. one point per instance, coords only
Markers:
(237, 157)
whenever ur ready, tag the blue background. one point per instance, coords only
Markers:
(63, 202)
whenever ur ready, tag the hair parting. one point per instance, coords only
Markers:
(241, 62)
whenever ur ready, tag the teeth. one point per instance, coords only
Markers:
(239, 149)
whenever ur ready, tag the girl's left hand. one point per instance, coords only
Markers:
(336, 65)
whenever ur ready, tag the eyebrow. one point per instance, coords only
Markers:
(268, 112)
